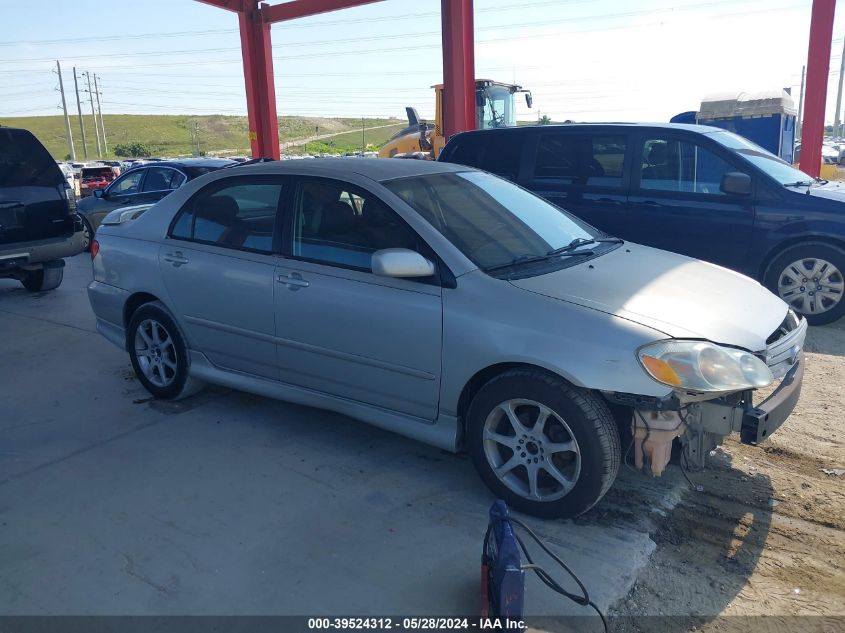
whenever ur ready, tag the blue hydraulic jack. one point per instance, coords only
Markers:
(502, 577)
(503, 573)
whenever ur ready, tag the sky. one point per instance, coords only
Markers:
(584, 60)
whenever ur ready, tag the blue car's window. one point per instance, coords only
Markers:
(334, 224)
(580, 159)
(490, 220)
(674, 165)
(241, 216)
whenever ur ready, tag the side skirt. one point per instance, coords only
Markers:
(442, 432)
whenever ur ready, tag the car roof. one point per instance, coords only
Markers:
(378, 169)
(689, 127)
(191, 162)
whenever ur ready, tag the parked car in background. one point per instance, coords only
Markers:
(70, 175)
(448, 305)
(694, 190)
(144, 184)
(38, 221)
(96, 176)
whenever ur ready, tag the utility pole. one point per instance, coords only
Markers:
(362, 137)
(79, 110)
(836, 119)
(800, 122)
(100, 111)
(197, 136)
(64, 108)
(94, 115)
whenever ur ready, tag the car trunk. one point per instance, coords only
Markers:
(33, 202)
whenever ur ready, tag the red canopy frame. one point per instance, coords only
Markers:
(818, 67)
(256, 46)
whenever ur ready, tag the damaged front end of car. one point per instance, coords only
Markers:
(712, 395)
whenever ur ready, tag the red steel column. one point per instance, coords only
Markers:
(458, 66)
(818, 67)
(260, 86)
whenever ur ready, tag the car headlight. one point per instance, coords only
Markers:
(703, 366)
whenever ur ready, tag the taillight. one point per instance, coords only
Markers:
(95, 248)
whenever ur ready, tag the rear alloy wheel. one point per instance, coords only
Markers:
(809, 277)
(43, 279)
(158, 353)
(545, 447)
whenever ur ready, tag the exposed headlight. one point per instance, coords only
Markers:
(702, 366)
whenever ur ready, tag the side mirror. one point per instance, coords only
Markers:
(99, 193)
(479, 99)
(529, 100)
(400, 262)
(736, 183)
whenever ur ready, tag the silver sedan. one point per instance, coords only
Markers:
(450, 306)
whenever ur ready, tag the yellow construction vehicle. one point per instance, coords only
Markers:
(494, 107)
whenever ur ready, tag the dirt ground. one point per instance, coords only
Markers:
(766, 536)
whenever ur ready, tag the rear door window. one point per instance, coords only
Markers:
(238, 215)
(159, 179)
(25, 162)
(503, 154)
(581, 159)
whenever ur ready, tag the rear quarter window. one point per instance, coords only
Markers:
(25, 162)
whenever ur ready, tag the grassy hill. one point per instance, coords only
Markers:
(170, 135)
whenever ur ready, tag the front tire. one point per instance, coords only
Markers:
(545, 447)
(809, 277)
(43, 279)
(159, 354)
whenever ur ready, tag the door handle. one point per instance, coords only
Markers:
(294, 281)
(650, 203)
(177, 259)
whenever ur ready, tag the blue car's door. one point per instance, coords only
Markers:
(583, 172)
(675, 202)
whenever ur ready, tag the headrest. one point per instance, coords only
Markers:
(658, 154)
(337, 218)
(375, 213)
(219, 209)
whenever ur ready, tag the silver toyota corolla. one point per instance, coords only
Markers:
(450, 306)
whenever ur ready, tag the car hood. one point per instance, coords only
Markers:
(830, 191)
(676, 295)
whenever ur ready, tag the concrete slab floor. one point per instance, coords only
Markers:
(227, 503)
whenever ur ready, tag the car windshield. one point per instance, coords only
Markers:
(763, 159)
(492, 221)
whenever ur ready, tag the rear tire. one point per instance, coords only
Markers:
(159, 354)
(810, 277)
(558, 471)
(88, 234)
(43, 279)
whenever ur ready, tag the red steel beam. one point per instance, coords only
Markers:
(304, 8)
(257, 51)
(458, 66)
(229, 5)
(818, 66)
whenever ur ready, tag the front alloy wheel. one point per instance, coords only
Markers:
(532, 450)
(545, 447)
